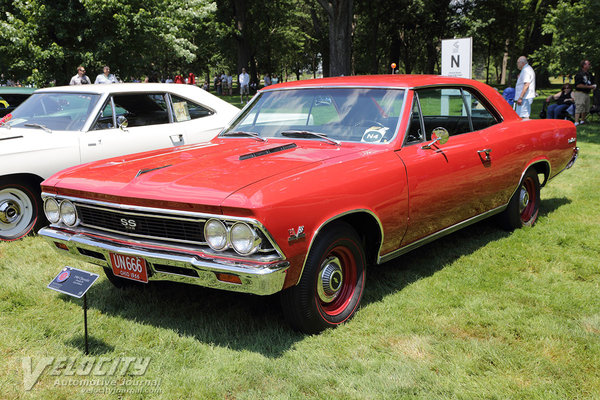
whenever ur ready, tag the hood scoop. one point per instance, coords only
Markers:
(268, 151)
(145, 170)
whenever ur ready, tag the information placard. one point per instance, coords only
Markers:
(457, 58)
(72, 281)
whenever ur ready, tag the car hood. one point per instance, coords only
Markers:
(23, 140)
(205, 173)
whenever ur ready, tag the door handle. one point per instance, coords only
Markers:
(177, 138)
(96, 143)
(486, 152)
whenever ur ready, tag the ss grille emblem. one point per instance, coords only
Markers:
(128, 223)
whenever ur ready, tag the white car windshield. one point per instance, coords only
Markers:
(335, 114)
(54, 111)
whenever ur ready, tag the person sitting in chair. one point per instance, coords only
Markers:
(563, 101)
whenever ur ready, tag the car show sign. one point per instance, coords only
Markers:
(72, 281)
(457, 57)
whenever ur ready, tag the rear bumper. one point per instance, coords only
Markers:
(172, 265)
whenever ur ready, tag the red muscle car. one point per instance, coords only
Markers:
(314, 181)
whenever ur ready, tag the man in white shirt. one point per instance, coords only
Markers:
(81, 78)
(106, 77)
(244, 81)
(525, 88)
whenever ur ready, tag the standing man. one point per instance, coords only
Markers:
(525, 88)
(106, 76)
(244, 81)
(81, 78)
(584, 84)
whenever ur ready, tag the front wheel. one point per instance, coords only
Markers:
(20, 209)
(332, 283)
(524, 206)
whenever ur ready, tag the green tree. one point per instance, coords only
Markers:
(575, 34)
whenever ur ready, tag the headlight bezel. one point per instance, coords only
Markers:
(222, 225)
(73, 212)
(52, 200)
(254, 240)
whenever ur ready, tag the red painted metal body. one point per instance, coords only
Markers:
(410, 191)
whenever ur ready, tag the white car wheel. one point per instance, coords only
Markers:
(18, 212)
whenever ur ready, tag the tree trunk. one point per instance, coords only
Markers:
(243, 53)
(340, 35)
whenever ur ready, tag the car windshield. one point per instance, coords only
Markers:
(54, 111)
(342, 114)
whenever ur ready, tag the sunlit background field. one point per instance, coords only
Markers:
(481, 313)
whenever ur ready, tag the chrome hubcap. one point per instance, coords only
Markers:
(16, 213)
(330, 279)
(10, 212)
(523, 199)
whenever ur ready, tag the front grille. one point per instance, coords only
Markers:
(160, 225)
(187, 230)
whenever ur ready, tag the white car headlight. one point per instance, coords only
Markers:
(68, 213)
(216, 235)
(52, 210)
(244, 239)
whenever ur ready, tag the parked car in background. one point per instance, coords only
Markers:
(314, 181)
(64, 126)
(11, 97)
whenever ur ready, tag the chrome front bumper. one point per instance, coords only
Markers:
(172, 265)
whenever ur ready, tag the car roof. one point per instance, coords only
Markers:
(396, 81)
(125, 88)
(16, 90)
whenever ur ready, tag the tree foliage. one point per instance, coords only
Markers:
(42, 41)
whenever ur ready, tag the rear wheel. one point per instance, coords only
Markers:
(20, 210)
(524, 206)
(332, 283)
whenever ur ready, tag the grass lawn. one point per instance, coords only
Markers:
(481, 313)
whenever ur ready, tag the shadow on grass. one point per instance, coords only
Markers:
(96, 346)
(253, 323)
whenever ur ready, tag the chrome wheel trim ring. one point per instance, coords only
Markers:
(16, 211)
(330, 279)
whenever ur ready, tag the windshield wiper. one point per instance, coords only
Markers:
(303, 134)
(39, 126)
(253, 135)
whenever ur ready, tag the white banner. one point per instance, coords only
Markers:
(457, 57)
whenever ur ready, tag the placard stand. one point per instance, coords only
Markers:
(75, 282)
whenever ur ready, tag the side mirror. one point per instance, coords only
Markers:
(438, 135)
(122, 122)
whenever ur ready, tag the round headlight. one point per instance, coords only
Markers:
(68, 213)
(244, 239)
(52, 210)
(215, 233)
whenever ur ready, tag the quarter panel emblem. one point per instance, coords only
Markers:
(296, 235)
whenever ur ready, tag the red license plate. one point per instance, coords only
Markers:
(129, 267)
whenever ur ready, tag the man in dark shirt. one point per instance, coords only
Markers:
(584, 84)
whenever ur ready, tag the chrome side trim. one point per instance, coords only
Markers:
(437, 235)
(167, 212)
(318, 230)
(260, 279)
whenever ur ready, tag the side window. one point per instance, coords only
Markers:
(480, 116)
(415, 130)
(142, 109)
(105, 119)
(444, 107)
(185, 110)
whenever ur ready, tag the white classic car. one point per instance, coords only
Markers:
(61, 127)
